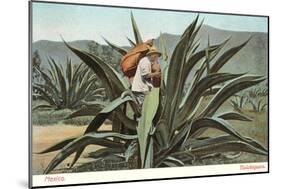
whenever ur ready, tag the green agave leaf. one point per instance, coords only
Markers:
(50, 86)
(185, 157)
(85, 91)
(42, 106)
(163, 47)
(178, 139)
(100, 118)
(234, 104)
(253, 104)
(120, 82)
(52, 77)
(127, 122)
(172, 162)
(164, 75)
(176, 143)
(148, 161)
(175, 74)
(131, 150)
(89, 97)
(97, 91)
(103, 134)
(228, 90)
(132, 106)
(57, 146)
(116, 123)
(82, 142)
(88, 165)
(225, 57)
(61, 79)
(45, 96)
(52, 100)
(190, 101)
(241, 101)
(192, 25)
(53, 72)
(108, 134)
(136, 30)
(161, 103)
(161, 135)
(263, 107)
(211, 91)
(115, 47)
(110, 79)
(221, 144)
(90, 110)
(131, 42)
(196, 45)
(104, 152)
(259, 104)
(81, 91)
(222, 125)
(233, 116)
(195, 59)
(191, 61)
(210, 55)
(77, 71)
(69, 73)
(73, 146)
(77, 156)
(149, 109)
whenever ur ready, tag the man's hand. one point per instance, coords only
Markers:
(157, 74)
(151, 75)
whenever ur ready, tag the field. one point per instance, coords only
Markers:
(50, 128)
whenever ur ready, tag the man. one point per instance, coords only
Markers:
(143, 79)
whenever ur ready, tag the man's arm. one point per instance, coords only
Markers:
(151, 75)
(145, 68)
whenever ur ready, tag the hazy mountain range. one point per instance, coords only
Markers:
(253, 57)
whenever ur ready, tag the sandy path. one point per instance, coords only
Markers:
(45, 136)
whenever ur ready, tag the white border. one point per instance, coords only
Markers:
(147, 174)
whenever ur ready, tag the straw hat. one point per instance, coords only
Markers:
(153, 50)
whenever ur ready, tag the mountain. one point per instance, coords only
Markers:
(57, 50)
(252, 58)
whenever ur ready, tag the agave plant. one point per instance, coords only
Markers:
(256, 97)
(170, 125)
(258, 92)
(258, 105)
(72, 88)
(238, 102)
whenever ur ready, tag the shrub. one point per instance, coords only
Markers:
(238, 102)
(67, 89)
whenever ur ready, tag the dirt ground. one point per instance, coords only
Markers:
(45, 136)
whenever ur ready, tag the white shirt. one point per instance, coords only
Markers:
(139, 83)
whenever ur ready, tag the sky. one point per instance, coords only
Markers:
(78, 22)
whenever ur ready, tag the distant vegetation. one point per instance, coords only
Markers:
(66, 88)
(254, 99)
(106, 53)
